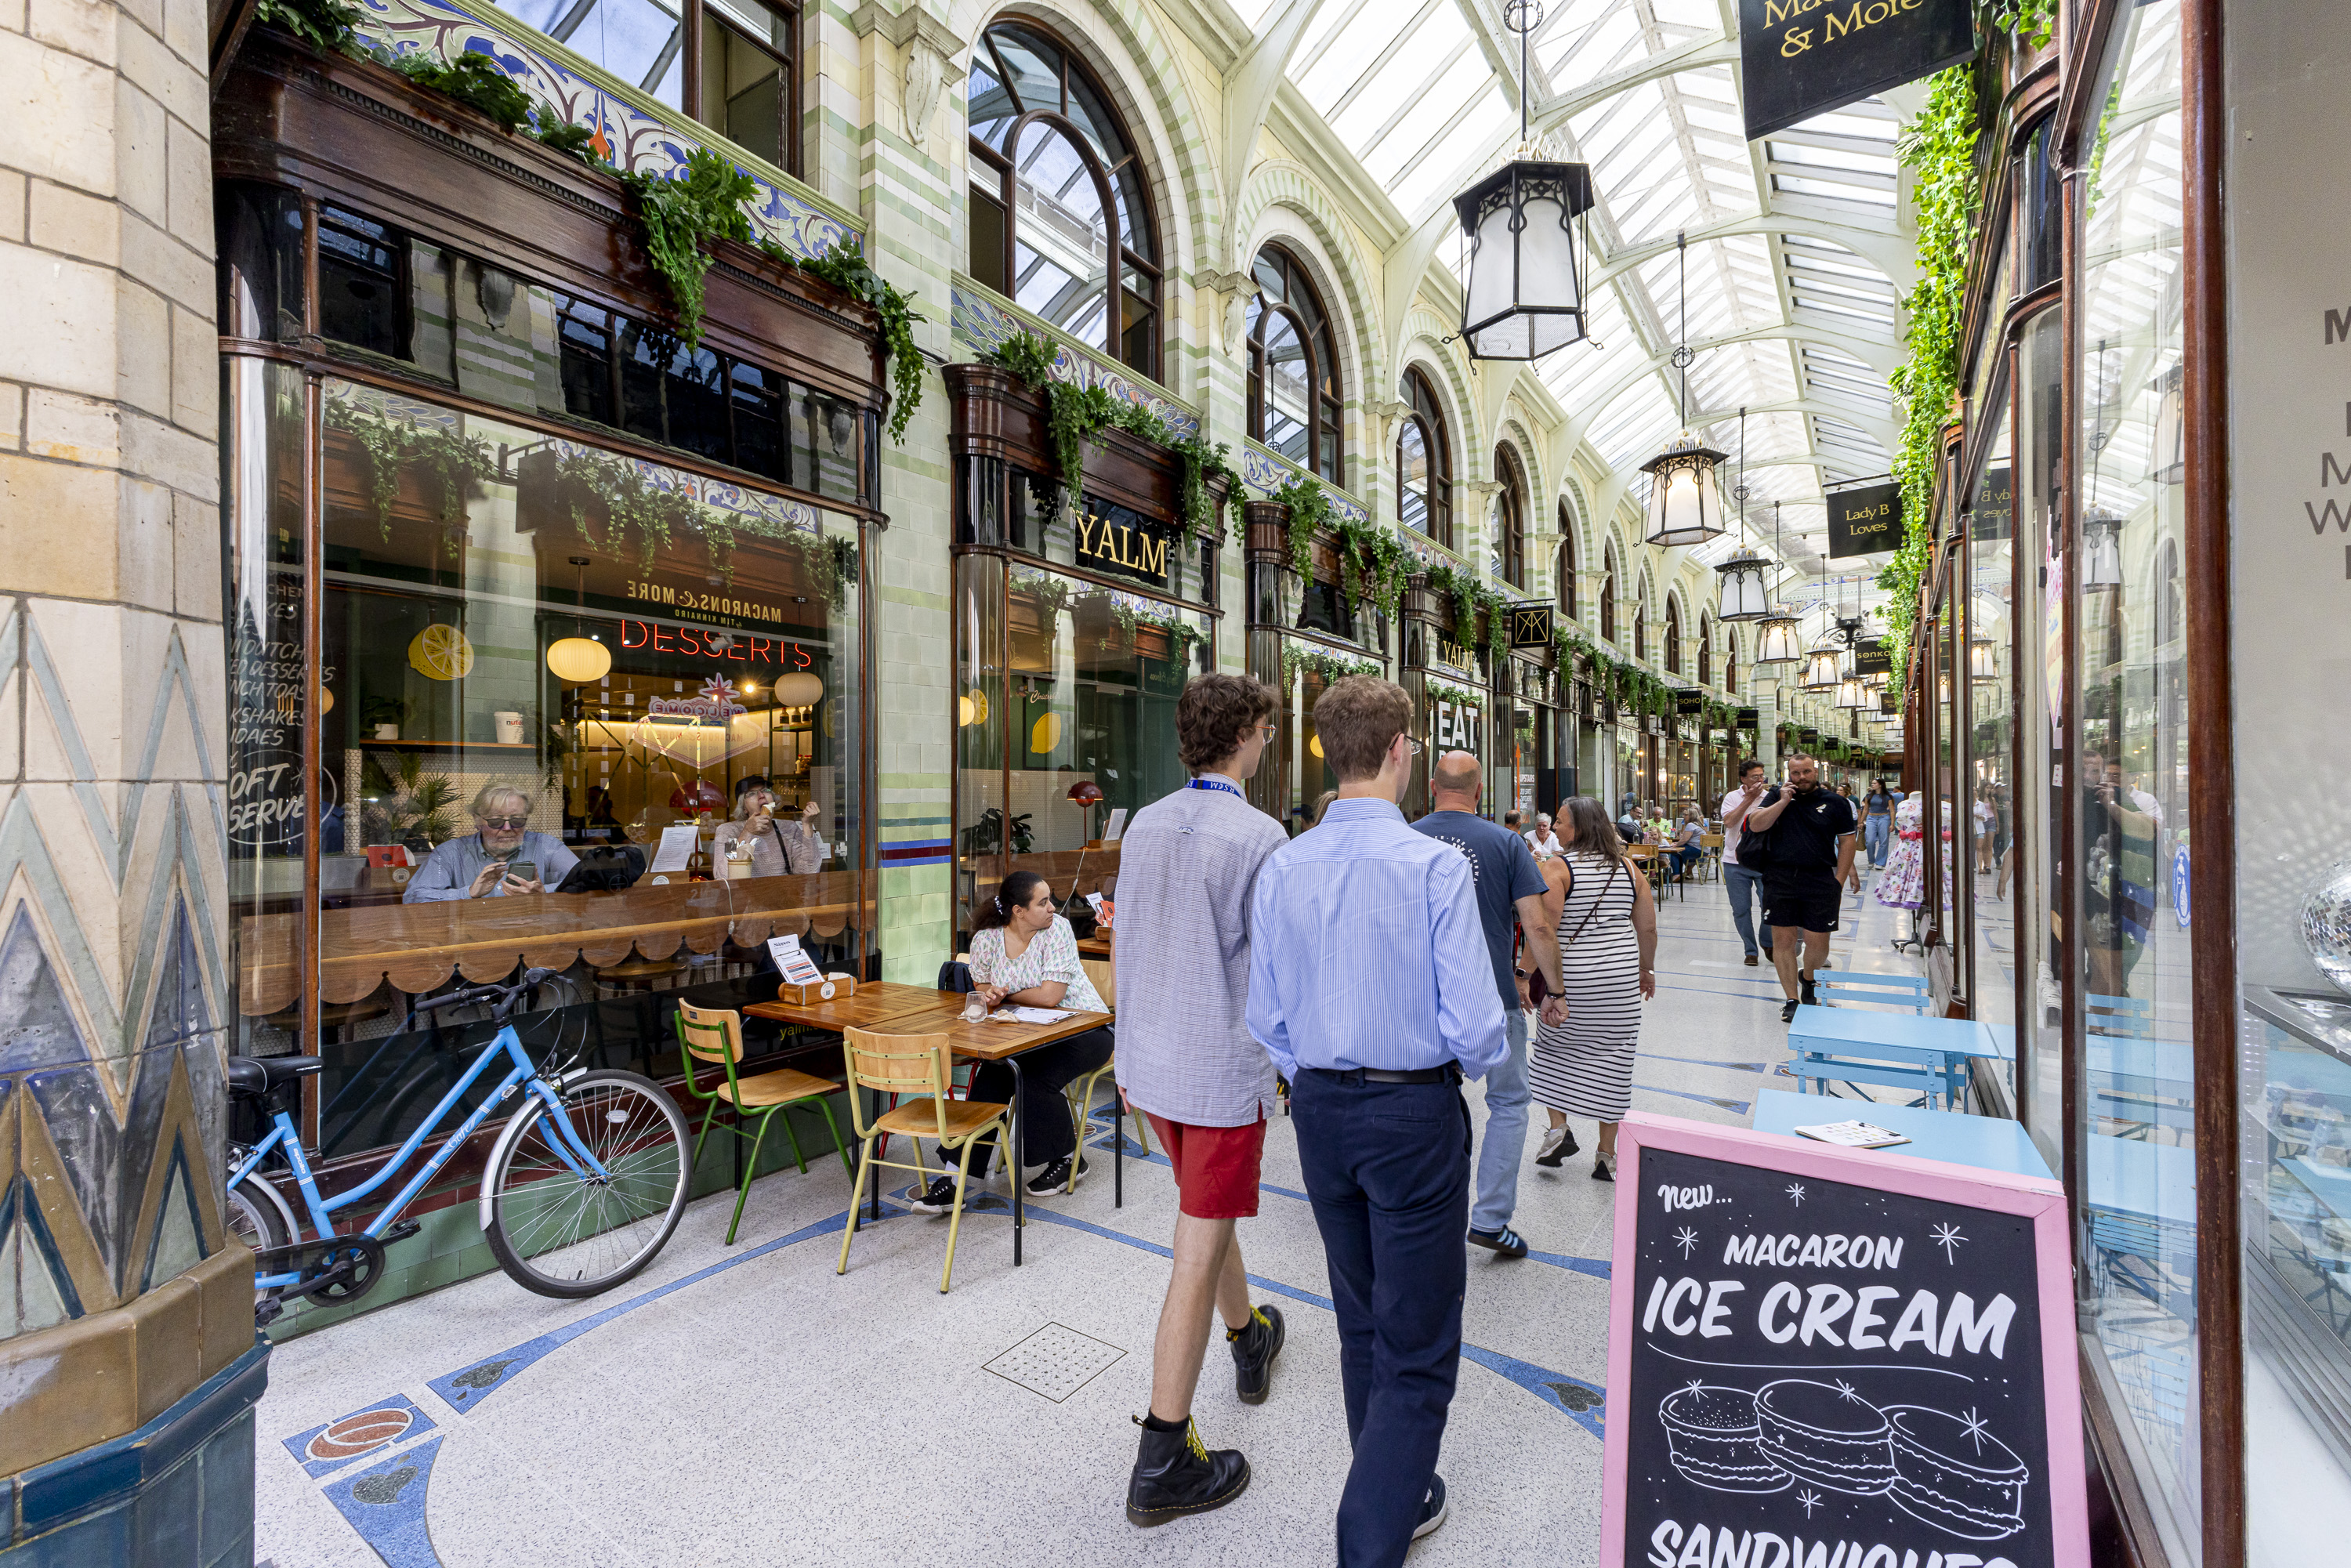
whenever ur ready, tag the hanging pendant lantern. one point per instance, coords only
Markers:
(1685, 501)
(1980, 661)
(1853, 695)
(1821, 671)
(2101, 551)
(1776, 639)
(1745, 596)
(1524, 292)
(2168, 452)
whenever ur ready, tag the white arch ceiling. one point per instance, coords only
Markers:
(1795, 257)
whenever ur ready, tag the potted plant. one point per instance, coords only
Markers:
(383, 716)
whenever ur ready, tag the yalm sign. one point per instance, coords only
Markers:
(1819, 1355)
(1797, 58)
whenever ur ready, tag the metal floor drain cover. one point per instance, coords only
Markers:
(1055, 1361)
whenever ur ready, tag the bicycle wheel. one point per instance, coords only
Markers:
(562, 1235)
(259, 1219)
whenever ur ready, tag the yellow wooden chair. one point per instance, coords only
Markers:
(1709, 864)
(917, 1068)
(716, 1035)
(1104, 974)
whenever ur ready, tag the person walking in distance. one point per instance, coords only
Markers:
(1371, 988)
(1187, 868)
(1814, 830)
(1606, 932)
(1745, 882)
(1509, 890)
(1877, 822)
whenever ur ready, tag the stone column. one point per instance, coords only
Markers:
(128, 1358)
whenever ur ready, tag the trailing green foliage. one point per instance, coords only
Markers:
(1460, 697)
(681, 216)
(1129, 613)
(845, 268)
(454, 463)
(1470, 596)
(328, 25)
(579, 141)
(1310, 513)
(1322, 661)
(1373, 563)
(1941, 145)
(474, 79)
(1075, 415)
(2034, 21)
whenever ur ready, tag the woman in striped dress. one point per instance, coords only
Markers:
(1608, 937)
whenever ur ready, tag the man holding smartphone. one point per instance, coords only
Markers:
(501, 856)
(1814, 832)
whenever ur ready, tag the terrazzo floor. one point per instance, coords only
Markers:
(744, 1405)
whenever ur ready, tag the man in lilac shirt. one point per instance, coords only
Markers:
(1371, 988)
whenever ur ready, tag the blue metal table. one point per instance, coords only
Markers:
(1900, 1050)
(1992, 1143)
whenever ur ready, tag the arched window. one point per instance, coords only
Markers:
(1563, 572)
(1293, 369)
(1509, 519)
(1641, 622)
(1673, 636)
(1057, 197)
(1608, 594)
(1424, 463)
(1730, 663)
(1705, 651)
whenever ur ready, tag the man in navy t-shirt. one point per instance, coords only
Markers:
(1510, 889)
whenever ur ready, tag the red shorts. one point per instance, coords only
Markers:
(1216, 1168)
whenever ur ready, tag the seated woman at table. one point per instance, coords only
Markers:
(1688, 851)
(1024, 954)
(779, 848)
(478, 865)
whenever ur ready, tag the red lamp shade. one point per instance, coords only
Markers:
(1086, 793)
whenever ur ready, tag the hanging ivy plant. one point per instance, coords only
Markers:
(1459, 696)
(382, 443)
(328, 25)
(1310, 513)
(681, 216)
(1203, 463)
(1372, 562)
(845, 268)
(474, 78)
(1941, 145)
(1330, 666)
(1051, 593)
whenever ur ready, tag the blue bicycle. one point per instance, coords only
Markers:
(581, 1190)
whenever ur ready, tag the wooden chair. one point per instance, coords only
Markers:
(1103, 975)
(1711, 862)
(716, 1034)
(918, 1068)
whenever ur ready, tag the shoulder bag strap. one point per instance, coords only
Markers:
(1595, 903)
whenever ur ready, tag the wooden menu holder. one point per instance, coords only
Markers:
(831, 988)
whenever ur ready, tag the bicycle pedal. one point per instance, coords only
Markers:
(401, 1231)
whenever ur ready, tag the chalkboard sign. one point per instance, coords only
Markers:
(1852, 1351)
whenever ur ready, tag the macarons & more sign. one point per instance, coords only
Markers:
(1823, 1357)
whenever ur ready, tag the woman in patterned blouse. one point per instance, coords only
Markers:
(1024, 954)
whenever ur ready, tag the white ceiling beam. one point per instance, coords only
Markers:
(1248, 96)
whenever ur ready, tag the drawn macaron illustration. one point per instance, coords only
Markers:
(1825, 1434)
(1712, 1439)
(1953, 1473)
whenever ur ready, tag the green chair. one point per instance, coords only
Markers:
(716, 1034)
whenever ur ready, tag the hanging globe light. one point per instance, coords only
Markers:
(799, 689)
(576, 661)
(1523, 297)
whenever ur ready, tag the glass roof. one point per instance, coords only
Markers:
(1424, 94)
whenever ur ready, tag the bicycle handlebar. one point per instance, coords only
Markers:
(503, 994)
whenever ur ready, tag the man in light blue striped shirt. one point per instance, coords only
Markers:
(1371, 990)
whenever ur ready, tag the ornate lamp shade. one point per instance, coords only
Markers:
(1746, 596)
(1980, 661)
(1776, 641)
(576, 661)
(1685, 502)
(2101, 551)
(1853, 695)
(1824, 667)
(1524, 298)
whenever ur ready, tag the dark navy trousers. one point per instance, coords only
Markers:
(1387, 1166)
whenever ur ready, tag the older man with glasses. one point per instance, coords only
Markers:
(500, 856)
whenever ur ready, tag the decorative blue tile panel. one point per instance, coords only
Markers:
(626, 134)
(981, 324)
(334, 1444)
(1265, 474)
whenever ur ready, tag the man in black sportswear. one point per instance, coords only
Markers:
(1813, 833)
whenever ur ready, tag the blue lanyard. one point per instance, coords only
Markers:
(1226, 785)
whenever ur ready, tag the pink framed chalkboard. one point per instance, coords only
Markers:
(1821, 1356)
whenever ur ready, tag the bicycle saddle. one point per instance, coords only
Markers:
(259, 1074)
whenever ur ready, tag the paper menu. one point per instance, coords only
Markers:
(1853, 1135)
(792, 961)
(1116, 826)
(676, 848)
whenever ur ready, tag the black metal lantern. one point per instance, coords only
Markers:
(1824, 665)
(1685, 501)
(1746, 595)
(1776, 641)
(1524, 298)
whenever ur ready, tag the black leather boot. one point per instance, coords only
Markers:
(1254, 1349)
(1176, 1474)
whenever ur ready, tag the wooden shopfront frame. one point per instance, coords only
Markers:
(334, 131)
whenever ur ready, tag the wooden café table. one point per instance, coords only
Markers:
(888, 1008)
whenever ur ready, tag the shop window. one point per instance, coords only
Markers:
(743, 60)
(1424, 463)
(1509, 543)
(1293, 366)
(259, 231)
(620, 643)
(1061, 218)
(1608, 596)
(2041, 197)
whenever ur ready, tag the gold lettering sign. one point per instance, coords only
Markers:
(1121, 548)
(1866, 520)
(1803, 57)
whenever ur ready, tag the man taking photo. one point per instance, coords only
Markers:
(1814, 832)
